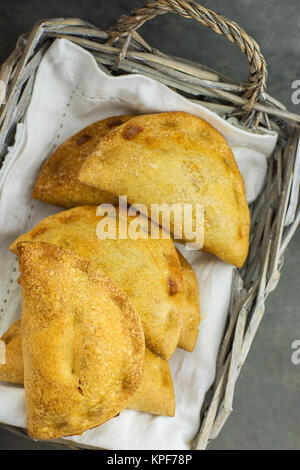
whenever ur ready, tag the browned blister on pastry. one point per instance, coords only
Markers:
(83, 342)
(177, 158)
(12, 370)
(147, 270)
(155, 393)
(57, 181)
(190, 306)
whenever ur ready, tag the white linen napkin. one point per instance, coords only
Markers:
(69, 93)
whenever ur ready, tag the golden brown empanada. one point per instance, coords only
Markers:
(190, 306)
(155, 393)
(177, 158)
(13, 369)
(83, 342)
(57, 182)
(147, 270)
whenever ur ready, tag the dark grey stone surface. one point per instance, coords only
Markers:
(267, 411)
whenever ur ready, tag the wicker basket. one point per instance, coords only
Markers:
(275, 214)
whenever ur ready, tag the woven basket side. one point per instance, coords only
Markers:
(275, 218)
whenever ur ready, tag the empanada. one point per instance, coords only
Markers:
(190, 305)
(13, 369)
(155, 393)
(177, 158)
(57, 182)
(83, 342)
(147, 270)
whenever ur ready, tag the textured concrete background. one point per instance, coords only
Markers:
(266, 404)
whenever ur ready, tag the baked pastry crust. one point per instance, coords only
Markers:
(147, 270)
(57, 181)
(177, 158)
(155, 393)
(83, 342)
(13, 369)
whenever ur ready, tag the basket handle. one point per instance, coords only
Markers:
(256, 83)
